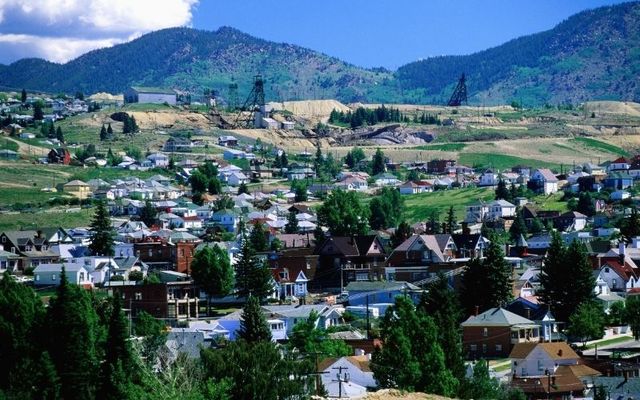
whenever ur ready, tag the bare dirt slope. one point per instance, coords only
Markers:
(392, 394)
(311, 109)
(613, 107)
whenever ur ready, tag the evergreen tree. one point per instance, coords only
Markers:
(632, 314)
(109, 131)
(536, 226)
(148, 214)
(258, 238)
(118, 365)
(586, 205)
(502, 192)
(212, 271)
(499, 274)
(71, 335)
(52, 131)
(473, 295)
(23, 96)
(386, 209)
(630, 227)
(441, 303)
(284, 161)
(198, 181)
(587, 323)
(252, 276)
(243, 188)
(292, 223)
(310, 339)
(378, 165)
(519, 226)
(253, 324)
(581, 286)
(402, 233)
(481, 385)
(102, 241)
(38, 113)
(411, 358)
(451, 221)
(103, 134)
(59, 135)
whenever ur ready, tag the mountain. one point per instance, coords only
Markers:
(592, 55)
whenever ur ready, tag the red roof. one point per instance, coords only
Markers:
(620, 160)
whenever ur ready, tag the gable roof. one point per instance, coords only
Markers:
(496, 317)
(547, 175)
(555, 350)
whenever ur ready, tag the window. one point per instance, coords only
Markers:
(138, 296)
(485, 332)
(473, 347)
(606, 270)
(150, 252)
(81, 276)
(37, 278)
(614, 284)
(484, 347)
(540, 366)
(4, 239)
(498, 347)
(53, 277)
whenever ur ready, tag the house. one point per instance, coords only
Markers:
(605, 296)
(543, 180)
(410, 261)
(8, 261)
(482, 211)
(158, 160)
(352, 183)
(27, 135)
(439, 166)
(344, 259)
(620, 164)
(488, 178)
(226, 219)
(292, 314)
(269, 123)
(237, 179)
(386, 179)
(32, 247)
(291, 282)
(180, 144)
(356, 368)
(139, 94)
(49, 274)
(300, 173)
(363, 293)
(172, 301)
(494, 333)
(549, 370)
(288, 125)
(618, 181)
(620, 272)
(59, 156)
(78, 189)
(227, 141)
(410, 188)
(570, 221)
(530, 308)
(469, 245)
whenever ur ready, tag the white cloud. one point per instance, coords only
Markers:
(60, 30)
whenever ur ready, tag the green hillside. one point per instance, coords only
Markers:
(592, 55)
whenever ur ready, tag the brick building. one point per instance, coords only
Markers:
(166, 255)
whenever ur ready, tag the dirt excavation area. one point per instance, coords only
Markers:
(392, 394)
(314, 110)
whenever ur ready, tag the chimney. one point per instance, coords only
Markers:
(465, 228)
(477, 310)
(560, 353)
(622, 249)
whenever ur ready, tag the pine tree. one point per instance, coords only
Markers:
(253, 324)
(441, 303)
(292, 223)
(71, 336)
(59, 135)
(502, 192)
(284, 161)
(378, 165)
(580, 288)
(38, 113)
(109, 131)
(519, 226)
(52, 131)
(499, 274)
(402, 233)
(258, 238)
(23, 96)
(631, 226)
(102, 241)
(554, 276)
(148, 214)
(451, 221)
(103, 133)
(243, 188)
(118, 365)
(212, 271)
(249, 271)
(473, 294)
(214, 186)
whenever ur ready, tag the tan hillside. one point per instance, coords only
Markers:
(626, 108)
(310, 109)
(393, 394)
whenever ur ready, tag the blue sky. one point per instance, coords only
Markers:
(367, 33)
(390, 33)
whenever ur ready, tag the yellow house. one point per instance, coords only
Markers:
(78, 189)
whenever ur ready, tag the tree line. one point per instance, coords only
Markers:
(366, 116)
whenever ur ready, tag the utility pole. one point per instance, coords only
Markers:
(340, 380)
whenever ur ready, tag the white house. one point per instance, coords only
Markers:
(158, 160)
(534, 359)
(356, 368)
(353, 183)
(488, 178)
(619, 164)
(236, 179)
(49, 274)
(545, 180)
(386, 179)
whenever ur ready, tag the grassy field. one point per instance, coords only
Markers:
(419, 207)
(8, 145)
(551, 203)
(45, 219)
(600, 145)
(442, 147)
(502, 161)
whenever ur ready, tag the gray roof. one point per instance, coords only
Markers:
(58, 267)
(497, 317)
(380, 285)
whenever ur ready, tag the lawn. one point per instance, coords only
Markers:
(608, 342)
(501, 161)
(600, 145)
(6, 144)
(45, 219)
(418, 207)
(551, 203)
(442, 147)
